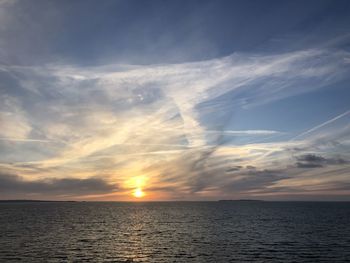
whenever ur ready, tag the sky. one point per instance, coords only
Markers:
(175, 100)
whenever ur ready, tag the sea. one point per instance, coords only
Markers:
(223, 231)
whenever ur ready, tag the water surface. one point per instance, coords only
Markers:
(175, 232)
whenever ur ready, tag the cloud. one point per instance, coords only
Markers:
(14, 123)
(165, 122)
(315, 161)
(14, 184)
(254, 180)
(234, 169)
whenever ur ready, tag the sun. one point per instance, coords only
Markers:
(138, 193)
(137, 183)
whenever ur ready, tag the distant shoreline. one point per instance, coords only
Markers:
(241, 200)
(33, 201)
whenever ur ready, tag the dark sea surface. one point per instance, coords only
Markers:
(175, 232)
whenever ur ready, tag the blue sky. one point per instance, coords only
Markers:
(182, 100)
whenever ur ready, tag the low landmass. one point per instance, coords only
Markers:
(241, 200)
(31, 201)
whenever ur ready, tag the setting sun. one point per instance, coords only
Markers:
(138, 193)
(137, 183)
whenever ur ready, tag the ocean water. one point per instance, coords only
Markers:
(175, 232)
